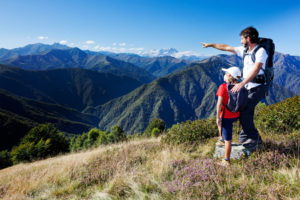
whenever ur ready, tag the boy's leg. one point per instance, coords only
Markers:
(227, 135)
(227, 149)
(220, 131)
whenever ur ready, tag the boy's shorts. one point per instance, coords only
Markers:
(227, 128)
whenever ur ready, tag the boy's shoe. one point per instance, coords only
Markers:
(220, 143)
(224, 163)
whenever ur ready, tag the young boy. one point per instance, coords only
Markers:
(225, 120)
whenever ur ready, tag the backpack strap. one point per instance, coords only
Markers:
(253, 58)
(244, 54)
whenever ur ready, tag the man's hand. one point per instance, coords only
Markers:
(237, 87)
(205, 45)
(222, 47)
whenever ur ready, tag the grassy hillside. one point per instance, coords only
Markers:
(146, 169)
(152, 169)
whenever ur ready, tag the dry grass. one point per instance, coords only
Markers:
(105, 172)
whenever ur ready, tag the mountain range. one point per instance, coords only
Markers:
(185, 95)
(30, 49)
(76, 58)
(158, 66)
(116, 89)
(73, 87)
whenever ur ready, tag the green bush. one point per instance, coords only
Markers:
(96, 137)
(90, 139)
(5, 159)
(155, 123)
(279, 118)
(40, 142)
(77, 142)
(116, 135)
(191, 132)
(155, 132)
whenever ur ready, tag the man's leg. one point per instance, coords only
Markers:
(246, 116)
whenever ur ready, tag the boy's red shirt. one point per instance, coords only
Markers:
(222, 91)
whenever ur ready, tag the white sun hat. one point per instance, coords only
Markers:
(235, 72)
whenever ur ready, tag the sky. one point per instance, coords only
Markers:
(143, 25)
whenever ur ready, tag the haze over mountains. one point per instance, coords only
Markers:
(116, 89)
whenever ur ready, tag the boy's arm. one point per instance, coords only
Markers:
(222, 47)
(219, 108)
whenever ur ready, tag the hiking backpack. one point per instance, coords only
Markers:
(269, 47)
(236, 101)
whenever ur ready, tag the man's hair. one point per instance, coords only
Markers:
(251, 32)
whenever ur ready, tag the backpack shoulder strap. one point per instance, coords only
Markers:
(254, 52)
(245, 52)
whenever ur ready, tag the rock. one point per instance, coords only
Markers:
(237, 151)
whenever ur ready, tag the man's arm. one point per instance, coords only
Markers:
(254, 72)
(222, 47)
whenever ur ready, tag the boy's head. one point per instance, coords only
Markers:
(233, 74)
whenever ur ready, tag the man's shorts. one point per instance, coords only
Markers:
(227, 128)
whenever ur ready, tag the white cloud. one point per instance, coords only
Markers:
(122, 44)
(122, 50)
(136, 49)
(42, 37)
(117, 49)
(186, 53)
(114, 44)
(89, 42)
(99, 48)
(85, 47)
(63, 42)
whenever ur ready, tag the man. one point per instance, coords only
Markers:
(249, 135)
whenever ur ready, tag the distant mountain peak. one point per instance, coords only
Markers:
(168, 51)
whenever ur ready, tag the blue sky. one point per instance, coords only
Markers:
(142, 25)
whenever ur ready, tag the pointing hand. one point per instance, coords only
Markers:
(204, 44)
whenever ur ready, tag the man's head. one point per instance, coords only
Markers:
(249, 35)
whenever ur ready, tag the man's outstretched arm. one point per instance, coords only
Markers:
(222, 47)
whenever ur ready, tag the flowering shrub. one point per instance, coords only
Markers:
(203, 178)
(195, 178)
